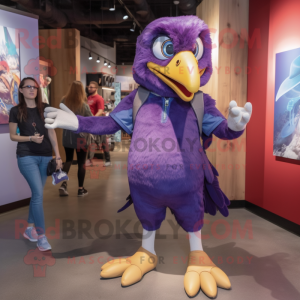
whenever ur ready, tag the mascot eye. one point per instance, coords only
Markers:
(198, 50)
(163, 48)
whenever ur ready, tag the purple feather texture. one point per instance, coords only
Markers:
(167, 165)
(213, 197)
(183, 32)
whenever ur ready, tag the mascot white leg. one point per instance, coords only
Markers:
(195, 241)
(149, 240)
(202, 272)
(132, 269)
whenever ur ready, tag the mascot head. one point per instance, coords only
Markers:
(173, 56)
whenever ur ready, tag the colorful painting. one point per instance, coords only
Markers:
(287, 105)
(9, 71)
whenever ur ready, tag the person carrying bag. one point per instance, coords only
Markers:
(34, 152)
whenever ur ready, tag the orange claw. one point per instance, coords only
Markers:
(132, 269)
(203, 273)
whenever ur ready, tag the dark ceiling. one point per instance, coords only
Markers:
(95, 21)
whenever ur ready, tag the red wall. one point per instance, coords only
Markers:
(271, 183)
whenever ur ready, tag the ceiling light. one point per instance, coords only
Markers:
(112, 6)
(110, 89)
(90, 56)
(98, 59)
(133, 27)
(105, 63)
(124, 13)
(109, 65)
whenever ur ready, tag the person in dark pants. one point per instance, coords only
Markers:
(34, 151)
(96, 103)
(76, 101)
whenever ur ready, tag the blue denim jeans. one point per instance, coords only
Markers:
(34, 169)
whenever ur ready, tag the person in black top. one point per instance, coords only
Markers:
(34, 151)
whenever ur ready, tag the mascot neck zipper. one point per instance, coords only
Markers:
(167, 102)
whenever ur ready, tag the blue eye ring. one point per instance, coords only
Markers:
(199, 49)
(164, 48)
(196, 51)
(160, 46)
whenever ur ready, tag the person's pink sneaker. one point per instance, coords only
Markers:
(31, 234)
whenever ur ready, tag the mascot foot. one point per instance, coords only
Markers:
(132, 269)
(203, 273)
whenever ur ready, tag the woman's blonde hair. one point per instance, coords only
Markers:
(76, 97)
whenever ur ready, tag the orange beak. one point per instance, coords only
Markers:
(181, 74)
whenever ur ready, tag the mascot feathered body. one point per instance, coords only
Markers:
(167, 165)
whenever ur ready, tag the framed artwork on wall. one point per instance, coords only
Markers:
(287, 105)
(9, 71)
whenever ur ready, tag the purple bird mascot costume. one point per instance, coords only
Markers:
(166, 116)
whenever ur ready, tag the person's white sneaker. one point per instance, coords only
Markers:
(106, 164)
(88, 163)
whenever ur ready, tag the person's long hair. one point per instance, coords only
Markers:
(76, 97)
(22, 106)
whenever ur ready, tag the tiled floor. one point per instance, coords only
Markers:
(262, 262)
